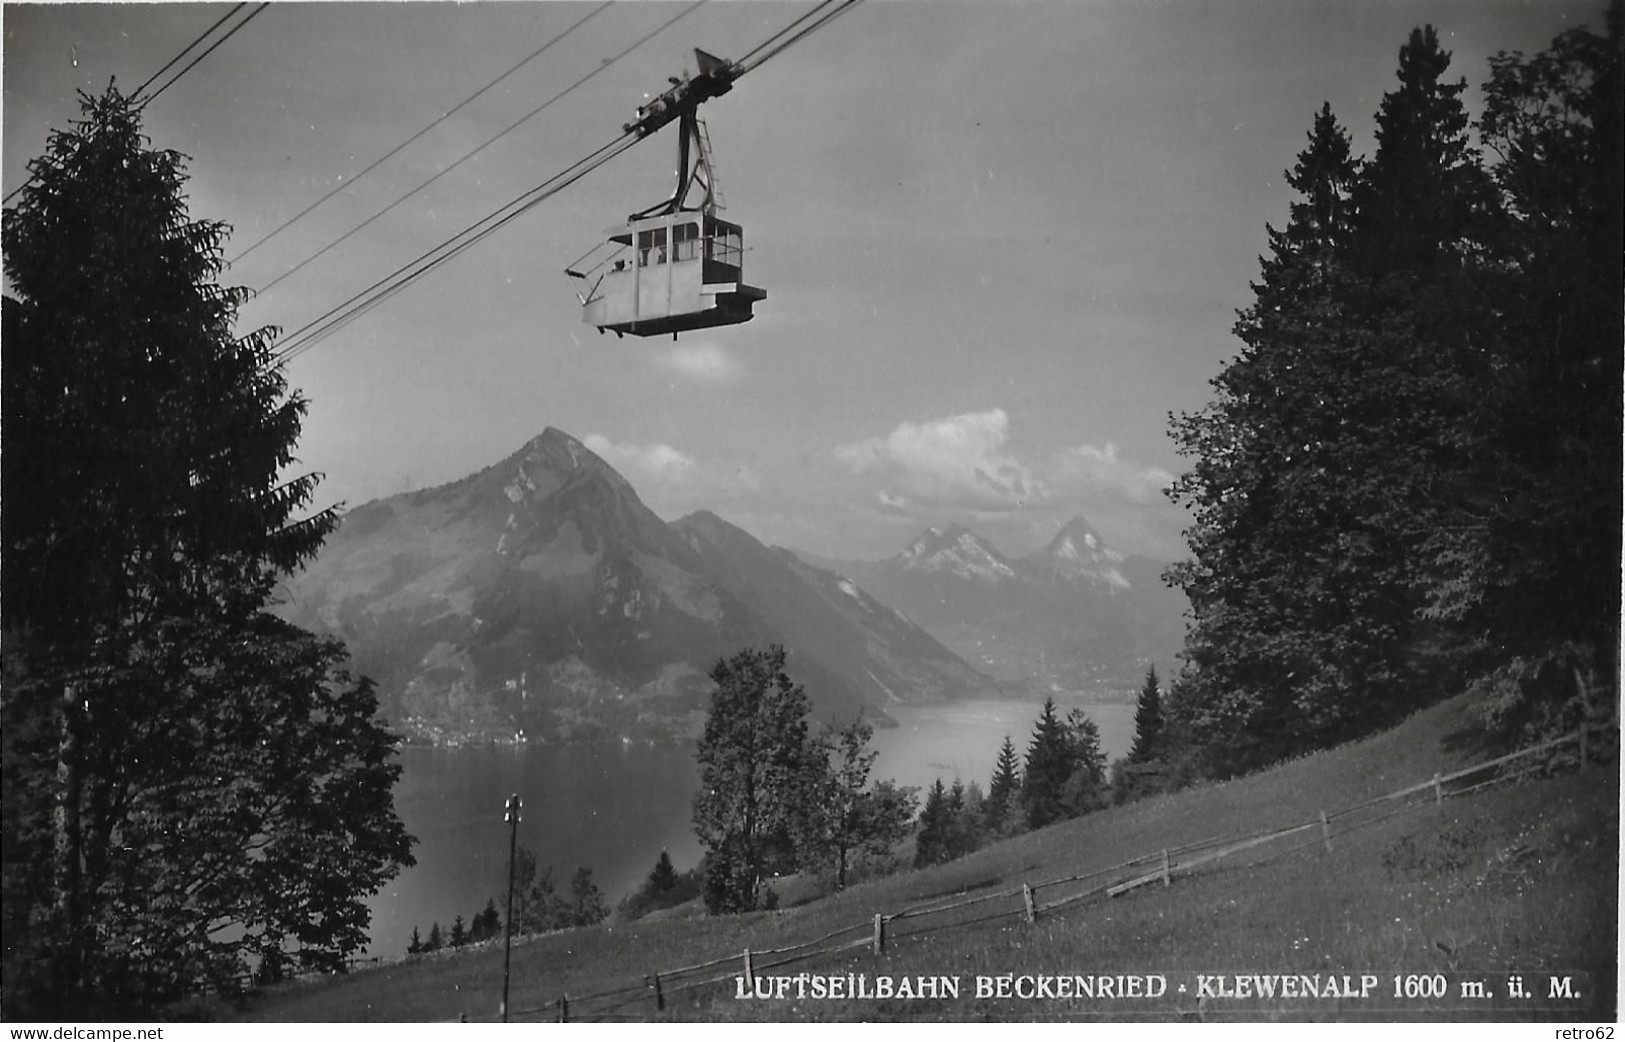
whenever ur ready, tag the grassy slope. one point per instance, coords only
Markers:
(1511, 878)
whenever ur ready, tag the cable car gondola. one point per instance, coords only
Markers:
(676, 266)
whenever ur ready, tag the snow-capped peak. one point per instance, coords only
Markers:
(1077, 552)
(959, 551)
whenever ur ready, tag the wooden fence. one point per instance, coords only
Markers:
(651, 994)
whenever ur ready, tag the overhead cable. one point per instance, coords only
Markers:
(312, 333)
(212, 47)
(204, 36)
(532, 56)
(465, 157)
(306, 336)
(166, 67)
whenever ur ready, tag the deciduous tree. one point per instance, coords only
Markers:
(761, 773)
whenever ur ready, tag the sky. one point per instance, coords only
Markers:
(1002, 241)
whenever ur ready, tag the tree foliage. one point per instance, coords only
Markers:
(859, 823)
(1065, 769)
(1147, 720)
(1003, 805)
(665, 887)
(190, 784)
(1413, 464)
(537, 905)
(774, 797)
(761, 775)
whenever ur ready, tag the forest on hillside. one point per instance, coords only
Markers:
(1407, 482)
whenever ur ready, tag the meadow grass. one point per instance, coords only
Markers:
(1520, 877)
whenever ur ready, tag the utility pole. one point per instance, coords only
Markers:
(513, 807)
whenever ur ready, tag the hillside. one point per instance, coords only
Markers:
(1519, 878)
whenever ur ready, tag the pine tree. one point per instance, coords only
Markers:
(1050, 761)
(931, 840)
(459, 933)
(169, 746)
(1004, 790)
(487, 924)
(663, 877)
(436, 940)
(1425, 191)
(1262, 579)
(1147, 720)
(416, 944)
(1085, 790)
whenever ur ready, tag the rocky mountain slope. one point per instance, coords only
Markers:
(1074, 615)
(542, 596)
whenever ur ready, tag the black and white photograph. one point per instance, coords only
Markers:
(1097, 512)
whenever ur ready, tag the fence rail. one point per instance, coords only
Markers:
(1166, 865)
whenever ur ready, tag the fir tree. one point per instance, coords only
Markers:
(931, 840)
(487, 924)
(416, 944)
(459, 933)
(1049, 763)
(663, 877)
(169, 745)
(1085, 790)
(1147, 720)
(1263, 608)
(436, 940)
(1004, 790)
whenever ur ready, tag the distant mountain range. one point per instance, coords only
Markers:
(1075, 615)
(541, 596)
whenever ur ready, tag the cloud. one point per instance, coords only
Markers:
(1102, 470)
(655, 460)
(958, 461)
(703, 361)
(672, 482)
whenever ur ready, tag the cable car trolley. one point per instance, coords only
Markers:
(676, 266)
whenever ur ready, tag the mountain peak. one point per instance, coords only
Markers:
(546, 461)
(956, 549)
(1078, 552)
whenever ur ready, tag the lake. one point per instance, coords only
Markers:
(614, 807)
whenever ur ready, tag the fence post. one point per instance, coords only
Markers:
(1326, 831)
(1438, 791)
(880, 933)
(564, 1009)
(660, 996)
(1166, 878)
(749, 976)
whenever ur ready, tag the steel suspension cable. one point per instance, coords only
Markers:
(375, 294)
(166, 67)
(279, 229)
(843, 8)
(746, 57)
(212, 47)
(510, 128)
(203, 36)
(314, 332)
